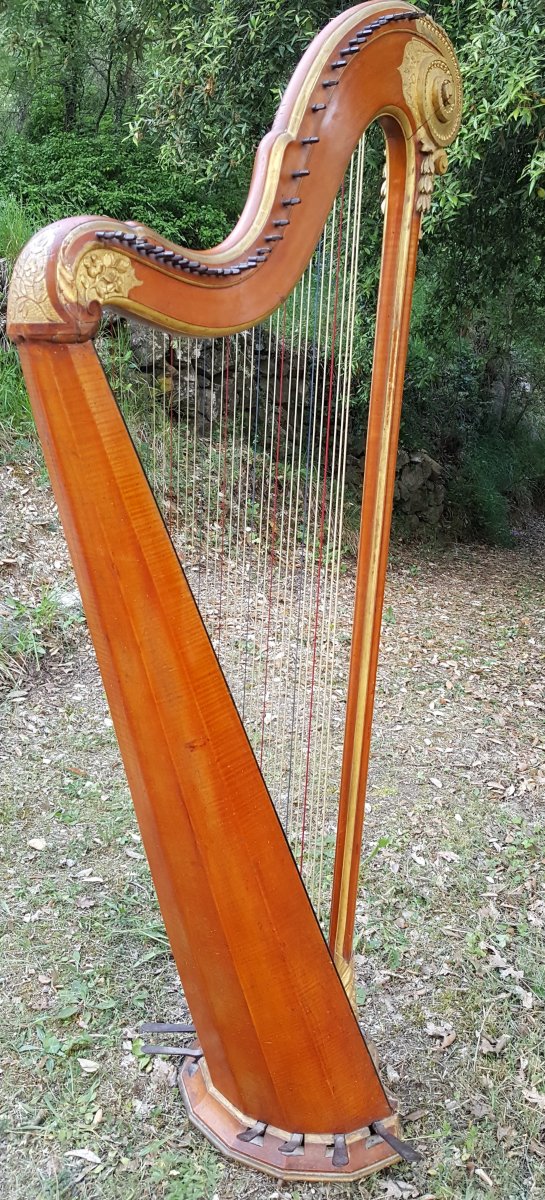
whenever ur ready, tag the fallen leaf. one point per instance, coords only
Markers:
(497, 962)
(507, 1135)
(87, 1155)
(88, 1066)
(494, 1045)
(399, 1190)
(480, 1109)
(444, 1034)
(484, 1178)
(37, 843)
(415, 1115)
(526, 997)
(532, 1095)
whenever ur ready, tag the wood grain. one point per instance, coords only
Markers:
(280, 1038)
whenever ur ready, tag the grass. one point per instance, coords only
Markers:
(17, 224)
(18, 440)
(31, 629)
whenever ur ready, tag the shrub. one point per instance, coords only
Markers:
(64, 174)
(499, 478)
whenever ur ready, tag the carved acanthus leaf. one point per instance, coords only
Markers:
(433, 162)
(28, 299)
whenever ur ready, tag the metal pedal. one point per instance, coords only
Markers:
(161, 1027)
(404, 1149)
(340, 1151)
(255, 1131)
(295, 1144)
(179, 1051)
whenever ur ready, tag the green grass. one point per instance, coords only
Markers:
(29, 630)
(17, 224)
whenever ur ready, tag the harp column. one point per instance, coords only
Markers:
(432, 90)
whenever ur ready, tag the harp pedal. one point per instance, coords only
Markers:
(255, 1133)
(161, 1027)
(193, 1052)
(340, 1157)
(295, 1145)
(404, 1149)
(178, 1051)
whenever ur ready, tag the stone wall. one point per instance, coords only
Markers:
(419, 488)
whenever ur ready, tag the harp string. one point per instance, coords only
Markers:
(247, 459)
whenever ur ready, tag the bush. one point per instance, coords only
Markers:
(65, 174)
(499, 478)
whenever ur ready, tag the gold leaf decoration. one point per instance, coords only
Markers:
(104, 275)
(28, 298)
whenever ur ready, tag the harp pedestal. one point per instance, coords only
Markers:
(223, 1124)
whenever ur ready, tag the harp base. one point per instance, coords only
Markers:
(223, 1124)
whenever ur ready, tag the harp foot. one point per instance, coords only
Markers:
(278, 1152)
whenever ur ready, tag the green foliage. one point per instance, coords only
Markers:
(475, 397)
(28, 630)
(218, 74)
(498, 475)
(65, 64)
(501, 49)
(64, 174)
(15, 414)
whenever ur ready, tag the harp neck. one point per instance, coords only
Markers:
(379, 61)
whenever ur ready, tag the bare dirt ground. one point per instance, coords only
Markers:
(451, 923)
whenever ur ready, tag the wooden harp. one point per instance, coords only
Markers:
(282, 1078)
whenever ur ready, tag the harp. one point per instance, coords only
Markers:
(280, 1076)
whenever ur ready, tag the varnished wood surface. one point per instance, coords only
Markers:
(400, 247)
(279, 1035)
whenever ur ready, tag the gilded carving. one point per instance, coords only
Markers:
(104, 275)
(28, 299)
(432, 85)
(101, 274)
(384, 186)
(348, 978)
(432, 88)
(434, 162)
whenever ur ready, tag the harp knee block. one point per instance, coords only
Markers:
(286, 1082)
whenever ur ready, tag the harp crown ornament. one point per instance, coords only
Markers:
(280, 1076)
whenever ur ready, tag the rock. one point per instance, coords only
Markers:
(419, 491)
(147, 344)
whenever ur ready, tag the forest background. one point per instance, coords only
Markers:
(153, 111)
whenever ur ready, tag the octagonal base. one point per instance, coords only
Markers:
(223, 1124)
